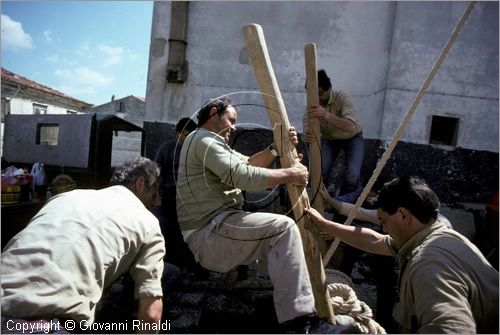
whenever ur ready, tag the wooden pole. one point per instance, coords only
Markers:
(314, 127)
(259, 58)
(313, 123)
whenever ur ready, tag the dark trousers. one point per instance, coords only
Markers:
(354, 154)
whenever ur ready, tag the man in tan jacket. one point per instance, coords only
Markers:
(445, 284)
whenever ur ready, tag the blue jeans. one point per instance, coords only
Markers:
(354, 155)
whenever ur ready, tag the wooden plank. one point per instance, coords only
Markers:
(259, 58)
(314, 126)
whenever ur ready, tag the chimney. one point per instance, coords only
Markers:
(113, 97)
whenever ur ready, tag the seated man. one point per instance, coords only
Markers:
(77, 245)
(219, 233)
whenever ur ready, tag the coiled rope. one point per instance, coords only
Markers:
(387, 153)
(345, 302)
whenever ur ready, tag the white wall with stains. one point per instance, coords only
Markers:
(378, 52)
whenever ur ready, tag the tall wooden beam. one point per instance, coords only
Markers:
(314, 127)
(261, 63)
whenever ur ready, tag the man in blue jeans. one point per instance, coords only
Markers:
(340, 130)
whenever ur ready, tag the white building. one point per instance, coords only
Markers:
(21, 95)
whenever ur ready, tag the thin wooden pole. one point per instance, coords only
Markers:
(259, 58)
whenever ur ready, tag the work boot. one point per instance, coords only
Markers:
(312, 324)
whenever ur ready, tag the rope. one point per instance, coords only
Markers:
(345, 302)
(387, 153)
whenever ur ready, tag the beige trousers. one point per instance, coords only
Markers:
(239, 238)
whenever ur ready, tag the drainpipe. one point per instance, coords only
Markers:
(177, 64)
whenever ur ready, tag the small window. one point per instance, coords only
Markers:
(70, 112)
(444, 130)
(121, 109)
(47, 134)
(39, 109)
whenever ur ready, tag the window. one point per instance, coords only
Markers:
(39, 109)
(47, 134)
(444, 130)
(121, 109)
(71, 112)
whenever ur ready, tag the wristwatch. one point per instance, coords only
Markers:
(273, 150)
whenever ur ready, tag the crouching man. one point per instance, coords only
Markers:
(446, 285)
(77, 245)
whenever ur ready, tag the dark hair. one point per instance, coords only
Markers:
(323, 80)
(185, 123)
(127, 173)
(204, 113)
(412, 193)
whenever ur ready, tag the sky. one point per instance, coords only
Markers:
(89, 50)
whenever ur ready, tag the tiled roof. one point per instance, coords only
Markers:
(20, 80)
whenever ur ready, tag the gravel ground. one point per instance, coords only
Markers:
(208, 306)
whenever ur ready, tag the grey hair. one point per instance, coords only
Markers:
(128, 172)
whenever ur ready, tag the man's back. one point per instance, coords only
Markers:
(76, 246)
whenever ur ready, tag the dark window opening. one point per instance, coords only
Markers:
(444, 130)
(121, 109)
(47, 134)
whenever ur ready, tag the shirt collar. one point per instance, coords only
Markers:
(416, 241)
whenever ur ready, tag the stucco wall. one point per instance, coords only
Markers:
(379, 52)
(466, 86)
(355, 55)
(73, 145)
